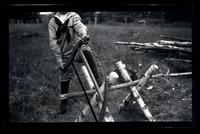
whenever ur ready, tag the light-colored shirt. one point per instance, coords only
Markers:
(61, 47)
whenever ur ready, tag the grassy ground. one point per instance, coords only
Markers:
(33, 79)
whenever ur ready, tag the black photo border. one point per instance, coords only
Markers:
(9, 7)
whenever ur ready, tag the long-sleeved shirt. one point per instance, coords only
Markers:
(61, 46)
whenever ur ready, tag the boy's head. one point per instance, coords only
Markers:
(62, 13)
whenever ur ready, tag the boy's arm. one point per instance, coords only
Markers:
(78, 26)
(53, 43)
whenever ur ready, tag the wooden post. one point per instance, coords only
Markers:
(91, 92)
(134, 93)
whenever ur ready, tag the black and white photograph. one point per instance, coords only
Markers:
(100, 66)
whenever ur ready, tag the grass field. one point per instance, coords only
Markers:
(33, 79)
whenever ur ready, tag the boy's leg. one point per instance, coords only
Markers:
(64, 89)
(65, 77)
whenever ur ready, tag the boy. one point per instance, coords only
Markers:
(65, 30)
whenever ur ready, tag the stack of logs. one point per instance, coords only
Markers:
(166, 44)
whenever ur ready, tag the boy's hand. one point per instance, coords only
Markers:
(60, 64)
(85, 39)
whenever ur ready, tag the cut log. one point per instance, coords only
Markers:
(76, 94)
(175, 43)
(134, 90)
(181, 60)
(124, 85)
(178, 74)
(134, 43)
(99, 93)
(86, 110)
(87, 77)
(174, 38)
(97, 88)
(91, 92)
(180, 49)
(97, 102)
(172, 74)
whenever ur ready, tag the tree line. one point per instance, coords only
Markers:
(101, 17)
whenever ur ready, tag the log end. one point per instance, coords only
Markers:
(155, 66)
(113, 77)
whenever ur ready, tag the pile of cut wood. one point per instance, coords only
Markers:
(166, 44)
